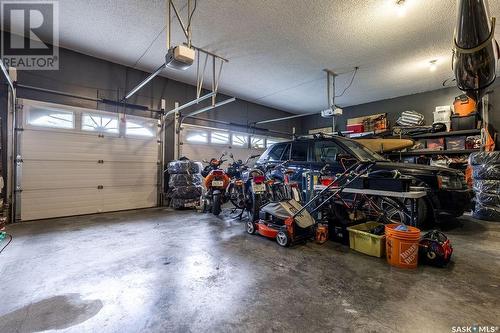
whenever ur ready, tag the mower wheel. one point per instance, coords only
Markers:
(282, 238)
(250, 227)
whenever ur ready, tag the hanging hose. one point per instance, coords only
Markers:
(3, 235)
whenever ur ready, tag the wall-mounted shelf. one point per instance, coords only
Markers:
(446, 134)
(434, 152)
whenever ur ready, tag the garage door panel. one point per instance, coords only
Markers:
(61, 202)
(41, 204)
(76, 174)
(73, 146)
(128, 197)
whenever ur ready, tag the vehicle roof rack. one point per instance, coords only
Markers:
(319, 135)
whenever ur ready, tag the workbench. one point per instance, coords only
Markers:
(413, 195)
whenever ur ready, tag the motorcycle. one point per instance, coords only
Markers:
(279, 184)
(236, 189)
(216, 182)
(247, 186)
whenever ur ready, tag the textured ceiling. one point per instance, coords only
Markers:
(278, 48)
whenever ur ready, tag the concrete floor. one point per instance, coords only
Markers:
(163, 271)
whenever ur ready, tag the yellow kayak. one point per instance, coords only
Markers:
(386, 145)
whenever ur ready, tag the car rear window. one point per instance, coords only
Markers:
(276, 152)
(326, 151)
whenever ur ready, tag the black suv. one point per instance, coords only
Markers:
(447, 191)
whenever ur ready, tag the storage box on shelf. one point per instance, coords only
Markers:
(455, 142)
(463, 123)
(443, 115)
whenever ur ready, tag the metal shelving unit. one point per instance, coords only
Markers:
(447, 134)
(434, 152)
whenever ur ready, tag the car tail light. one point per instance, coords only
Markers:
(449, 182)
(259, 179)
(218, 173)
(326, 181)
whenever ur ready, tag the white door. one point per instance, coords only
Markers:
(77, 161)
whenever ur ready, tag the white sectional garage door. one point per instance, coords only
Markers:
(78, 161)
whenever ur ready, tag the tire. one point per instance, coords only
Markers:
(492, 157)
(255, 206)
(217, 203)
(250, 227)
(184, 167)
(177, 180)
(424, 218)
(185, 192)
(487, 186)
(282, 238)
(234, 192)
(385, 209)
(487, 199)
(486, 213)
(394, 211)
(486, 172)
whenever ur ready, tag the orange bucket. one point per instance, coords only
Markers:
(401, 247)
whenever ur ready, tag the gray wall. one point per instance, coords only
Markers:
(424, 103)
(83, 75)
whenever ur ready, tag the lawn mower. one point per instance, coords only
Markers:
(289, 222)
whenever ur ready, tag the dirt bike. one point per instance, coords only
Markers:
(216, 182)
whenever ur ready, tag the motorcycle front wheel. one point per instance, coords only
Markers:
(236, 196)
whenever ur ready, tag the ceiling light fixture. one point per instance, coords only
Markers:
(433, 65)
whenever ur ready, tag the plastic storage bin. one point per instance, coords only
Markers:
(362, 241)
(435, 144)
(455, 143)
(464, 123)
(356, 128)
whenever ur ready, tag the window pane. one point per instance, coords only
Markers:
(140, 127)
(99, 123)
(240, 140)
(257, 142)
(299, 151)
(276, 152)
(326, 151)
(219, 137)
(197, 136)
(47, 117)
